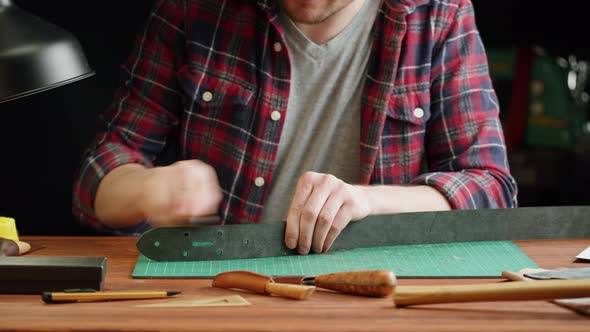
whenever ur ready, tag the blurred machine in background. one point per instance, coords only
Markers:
(545, 109)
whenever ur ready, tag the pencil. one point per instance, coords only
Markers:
(92, 295)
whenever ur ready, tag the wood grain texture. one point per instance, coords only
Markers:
(324, 311)
(505, 291)
(243, 280)
(377, 283)
(295, 292)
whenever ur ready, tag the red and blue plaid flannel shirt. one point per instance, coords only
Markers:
(207, 74)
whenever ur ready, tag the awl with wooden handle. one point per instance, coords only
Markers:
(375, 283)
(261, 284)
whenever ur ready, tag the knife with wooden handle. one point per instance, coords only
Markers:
(261, 284)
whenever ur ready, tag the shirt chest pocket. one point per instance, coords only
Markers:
(216, 100)
(407, 115)
(403, 135)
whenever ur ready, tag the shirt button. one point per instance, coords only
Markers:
(275, 115)
(207, 96)
(418, 112)
(278, 47)
(259, 182)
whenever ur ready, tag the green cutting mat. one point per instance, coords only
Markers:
(449, 260)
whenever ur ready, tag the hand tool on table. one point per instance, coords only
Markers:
(36, 274)
(261, 284)
(502, 291)
(416, 295)
(199, 243)
(376, 283)
(91, 295)
(579, 304)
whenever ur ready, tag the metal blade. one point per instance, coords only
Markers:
(253, 241)
(565, 273)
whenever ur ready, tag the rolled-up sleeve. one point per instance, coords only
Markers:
(145, 108)
(464, 139)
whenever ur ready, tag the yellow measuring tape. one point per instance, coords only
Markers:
(8, 229)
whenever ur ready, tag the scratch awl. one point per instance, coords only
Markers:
(376, 283)
(261, 284)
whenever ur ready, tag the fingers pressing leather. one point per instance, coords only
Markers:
(325, 221)
(341, 219)
(302, 192)
(309, 217)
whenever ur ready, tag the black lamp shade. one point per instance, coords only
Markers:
(36, 55)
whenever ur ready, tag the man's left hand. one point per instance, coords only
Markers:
(322, 206)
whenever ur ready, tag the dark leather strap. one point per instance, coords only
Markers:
(251, 241)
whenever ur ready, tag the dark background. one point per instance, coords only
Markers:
(42, 136)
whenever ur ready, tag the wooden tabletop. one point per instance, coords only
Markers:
(324, 311)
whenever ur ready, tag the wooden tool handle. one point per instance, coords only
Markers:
(378, 283)
(261, 284)
(297, 292)
(250, 281)
(509, 291)
(49, 297)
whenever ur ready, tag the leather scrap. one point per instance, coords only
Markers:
(221, 301)
(10, 247)
(566, 273)
(579, 305)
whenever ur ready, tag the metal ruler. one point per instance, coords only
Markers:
(197, 243)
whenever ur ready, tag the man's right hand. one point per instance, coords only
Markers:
(165, 196)
(174, 194)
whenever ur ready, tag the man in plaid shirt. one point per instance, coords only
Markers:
(317, 112)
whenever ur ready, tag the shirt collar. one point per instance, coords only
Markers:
(407, 6)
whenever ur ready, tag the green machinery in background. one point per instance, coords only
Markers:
(542, 97)
(544, 108)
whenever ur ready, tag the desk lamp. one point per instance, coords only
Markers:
(35, 55)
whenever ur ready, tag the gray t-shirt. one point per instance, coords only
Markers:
(322, 128)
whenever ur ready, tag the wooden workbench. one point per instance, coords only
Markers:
(324, 311)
